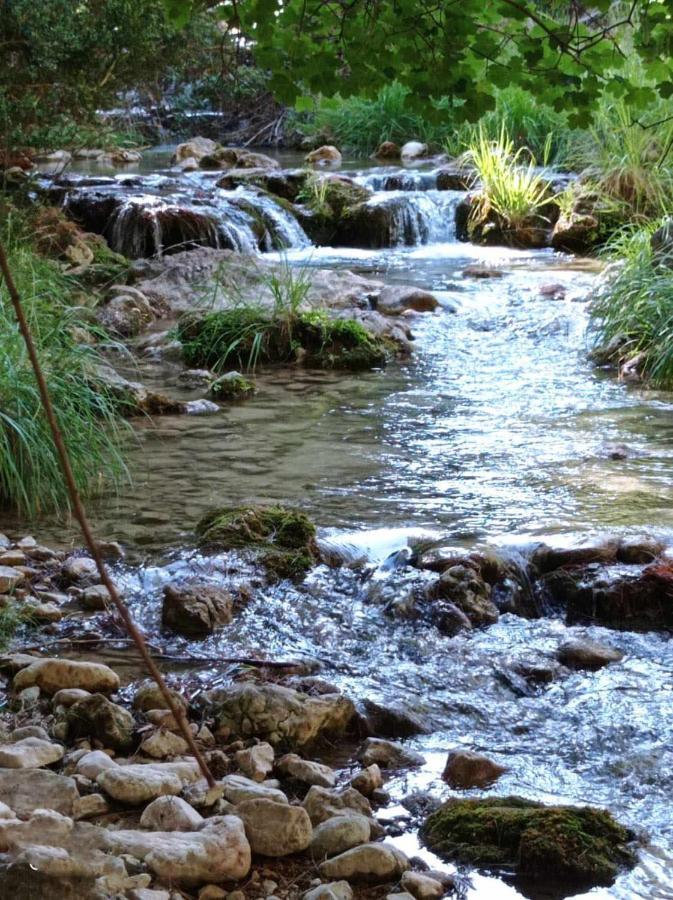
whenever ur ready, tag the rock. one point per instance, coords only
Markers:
(324, 803)
(388, 754)
(368, 780)
(201, 796)
(395, 299)
(10, 579)
(79, 569)
(136, 784)
(237, 789)
(394, 720)
(454, 178)
(91, 764)
(50, 675)
(567, 846)
(146, 894)
(29, 731)
(327, 156)
(149, 696)
(639, 551)
(575, 233)
(195, 149)
(553, 291)
(13, 558)
(387, 150)
(213, 892)
(163, 744)
(218, 852)
(256, 762)
(369, 863)
(30, 753)
(338, 834)
(25, 790)
(293, 766)
(465, 770)
(126, 314)
(196, 610)
(278, 714)
(170, 813)
(477, 271)
(67, 696)
(275, 829)
(334, 890)
(465, 588)
(97, 717)
(422, 887)
(413, 150)
(586, 654)
(89, 806)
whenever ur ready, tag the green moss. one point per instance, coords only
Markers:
(284, 539)
(231, 387)
(551, 843)
(341, 343)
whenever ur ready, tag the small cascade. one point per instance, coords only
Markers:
(415, 217)
(398, 181)
(146, 226)
(276, 227)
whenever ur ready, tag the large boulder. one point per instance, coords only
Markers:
(51, 675)
(279, 715)
(572, 846)
(196, 610)
(275, 829)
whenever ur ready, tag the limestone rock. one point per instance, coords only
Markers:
(136, 784)
(170, 814)
(388, 754)
(335, 890)
(256, 762)
(293, 766)
(67, 696)
(396, 299)
(149, 696)
(163, 744)
(30, 753)
(91, 764)
(326, 156)
(237, 789)
(79, 569)
(25, 790)
(97, 717)
(586, 654)
(368, 780)
(338, 834)
(422, 887)
(196, 149)
(369, 863)
(465, 770)
(52, 674)
(413, 150)
(32, 731)
(275, 829)
(323, 803)
(10, 579)
(196, 610)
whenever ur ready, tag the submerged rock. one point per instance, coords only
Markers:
(586, 654)
(579, 846)
(465, 770)
(196, 610)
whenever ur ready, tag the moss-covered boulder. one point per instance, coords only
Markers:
(231, 387)
(579, 846)
(283, 539)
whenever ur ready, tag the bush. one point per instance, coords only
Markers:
(30, 476)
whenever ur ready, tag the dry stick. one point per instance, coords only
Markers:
(81, 516)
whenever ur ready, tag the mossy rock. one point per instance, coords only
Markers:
(231, 388)
(341, 343)
(581, 846)
(283, 539)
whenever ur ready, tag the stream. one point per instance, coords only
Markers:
(498, 429)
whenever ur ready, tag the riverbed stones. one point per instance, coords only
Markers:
(149, 696)
(97, 717)
(394, 720)
(567, 845)
(396, 299)
(256, 762)
(79, 570)
(196, 610)
(25, 790)
(465, 769)
(195, 149)
(587, 654)
(466, 589)
(218, 852)
(293, 766)
(51, 674)
(89, 806)
(163, 744)
(388, 754)
(91, 764)
(135, 784)
(413, 150)
(275, 829)
(333, 890)
(10, 579)
(422, 887)
(324, 803)
(326, 156)
(238, 788)
(338, 834)
(368, 780)
(279, 715)
(30, 753)
(170, 813)
(66, 697)
(369, 864)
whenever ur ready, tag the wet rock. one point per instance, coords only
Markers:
(79, 569)
(565, 845)
(413, 150)
(293, 766)
(335, 890)
(464, 588)
(196, 378)
(552, 291)
(639, 551)
(170, 814)
(453, 178)
(547, 559)
(275, 829)
(465, 769)
(387, 150)
(163, 744)
(238, 789)
(369, 863)
(394, 720)
(51, 675)
(25, 790)
(422, 887)
(91, 764)
(339, 834)
(324, 803)
(256, 762)
(326, 156)
(388, 755)
(196, 610)
(136, 784)
(278, 714)
(575, 233)
(230, 387)
(10, 579)
(395, 299)
(195, 149)
(368, 780)
(97, 717)
(29, 753)
(149, 696)
(218, 852)
(96, 597)
(586, 654)
(477, 271)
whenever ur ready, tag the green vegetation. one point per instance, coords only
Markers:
(231, 387)
(283, 539)
(567, 845)
(30, 476)
(633, 313)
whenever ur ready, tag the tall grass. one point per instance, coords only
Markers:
(636, 305)
(30, 477)
(510, 184)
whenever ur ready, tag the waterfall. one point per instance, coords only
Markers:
(418, 217)
(397, 181)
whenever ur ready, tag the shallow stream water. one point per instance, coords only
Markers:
(499, 429)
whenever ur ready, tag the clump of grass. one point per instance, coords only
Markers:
(30, 476)
(231, 387)
(634, 310)
(511, 188)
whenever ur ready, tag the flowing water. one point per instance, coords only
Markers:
(497, 429)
